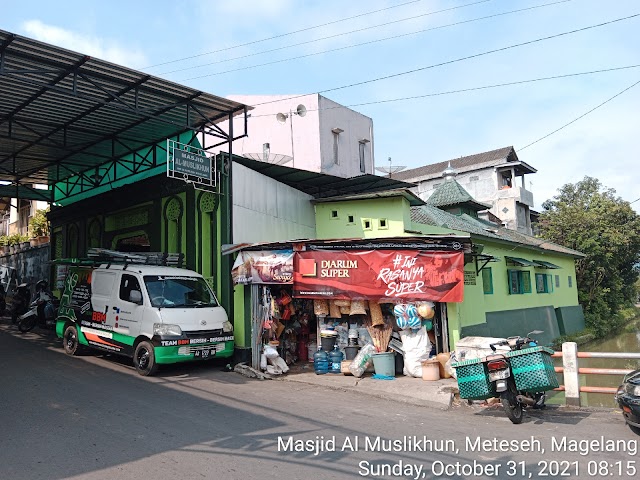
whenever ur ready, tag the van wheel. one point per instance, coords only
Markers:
(144, 359)
(70, 341)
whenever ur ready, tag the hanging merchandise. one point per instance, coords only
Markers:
(376, 314)
(406, 316)
(357, 308)
(321, 308)
(426, 310)
(334, 310)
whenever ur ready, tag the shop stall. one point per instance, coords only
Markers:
(342, 295)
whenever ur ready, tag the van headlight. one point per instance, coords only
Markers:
(227, 327)
(166, 329)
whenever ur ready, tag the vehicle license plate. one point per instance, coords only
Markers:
(499, 375)
(209, 352)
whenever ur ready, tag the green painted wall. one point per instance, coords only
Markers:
(333, 221)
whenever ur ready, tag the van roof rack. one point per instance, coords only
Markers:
(98, 256)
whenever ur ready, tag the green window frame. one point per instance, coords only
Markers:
(519, 282)
(544, 283)
(487, 281)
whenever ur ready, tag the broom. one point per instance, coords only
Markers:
(381, 336)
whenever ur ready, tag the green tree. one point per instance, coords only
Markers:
(591, 219)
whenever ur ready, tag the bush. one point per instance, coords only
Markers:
(38, 224)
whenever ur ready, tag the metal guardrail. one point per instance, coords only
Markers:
(571, 371)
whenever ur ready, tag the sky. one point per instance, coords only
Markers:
(441, 79)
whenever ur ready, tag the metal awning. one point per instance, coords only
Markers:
(520, 262)
(543, 264)
(76, 123)
(321, 185)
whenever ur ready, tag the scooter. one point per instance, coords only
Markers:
(501, 375)
(42, 311)
(20, 301)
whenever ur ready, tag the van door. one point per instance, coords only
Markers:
(127, 315)
(99, 331)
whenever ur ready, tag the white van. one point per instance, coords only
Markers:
(153, 314)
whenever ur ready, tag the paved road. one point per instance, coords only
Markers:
(95, 418)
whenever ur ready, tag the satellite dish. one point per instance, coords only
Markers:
(281, 117)
(301, 110)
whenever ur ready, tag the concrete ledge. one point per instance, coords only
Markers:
(415, 391)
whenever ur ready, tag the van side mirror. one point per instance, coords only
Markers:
(135, 296)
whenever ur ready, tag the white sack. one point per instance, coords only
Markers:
(416, 346)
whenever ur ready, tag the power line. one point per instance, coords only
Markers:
(581, 116)
(460, 59)
(345, 47)
(333, 22)
(462, 90)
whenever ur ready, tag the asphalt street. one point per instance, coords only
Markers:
(94, 417)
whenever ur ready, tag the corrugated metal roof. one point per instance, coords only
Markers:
(321, 185)
(63, 113)
(463, 164)
(452, 193)
(430, 215)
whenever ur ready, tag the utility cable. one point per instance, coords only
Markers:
(460, 59)
(581, 116)
(345, 47)
(333, 22)
(462, 90)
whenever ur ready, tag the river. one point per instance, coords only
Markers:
(626, 341)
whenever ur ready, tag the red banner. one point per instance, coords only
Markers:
(374, 274)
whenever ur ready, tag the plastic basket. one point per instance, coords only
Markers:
(473, 380)
(533, 369)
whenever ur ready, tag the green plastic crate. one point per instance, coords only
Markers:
(533, 369)
(473, 380)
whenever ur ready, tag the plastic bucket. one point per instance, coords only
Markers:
(351, 352)
(431, 370)
(328, 342)
(384, 363)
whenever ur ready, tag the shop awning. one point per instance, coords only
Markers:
(543, 264)
(520, 262)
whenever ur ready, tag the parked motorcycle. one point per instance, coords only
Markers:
(521, 375)
(42, 310)
(20, 301)
(3, 301)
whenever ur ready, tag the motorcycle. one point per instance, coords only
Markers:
(20, 301)
(42, 311)
(501, 375)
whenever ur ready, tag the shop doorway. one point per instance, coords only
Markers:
(439, 334)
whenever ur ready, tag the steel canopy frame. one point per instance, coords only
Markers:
(77, 123)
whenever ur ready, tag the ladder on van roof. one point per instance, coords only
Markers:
(98, 256)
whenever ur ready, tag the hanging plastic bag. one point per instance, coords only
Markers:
(406, 316)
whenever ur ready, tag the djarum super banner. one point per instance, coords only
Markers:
(374, 274)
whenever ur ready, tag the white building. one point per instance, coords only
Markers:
(307, 132)
(489, 177)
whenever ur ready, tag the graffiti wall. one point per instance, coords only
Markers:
(26, 266)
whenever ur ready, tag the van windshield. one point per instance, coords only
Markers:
(172, 291)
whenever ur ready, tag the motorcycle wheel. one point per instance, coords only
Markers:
(512, 407)
(27, 324)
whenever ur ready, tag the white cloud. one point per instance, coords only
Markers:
(87, 44)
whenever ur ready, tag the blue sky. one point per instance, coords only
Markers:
(402, 36)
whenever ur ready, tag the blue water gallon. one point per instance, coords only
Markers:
(320, 362)
(335, 358)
